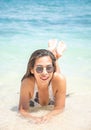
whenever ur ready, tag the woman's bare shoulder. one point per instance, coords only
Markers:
(27, 82)
(58, 77)
(58, 81)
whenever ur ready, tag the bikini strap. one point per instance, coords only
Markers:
(51, 95)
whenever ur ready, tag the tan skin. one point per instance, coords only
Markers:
(27, 89)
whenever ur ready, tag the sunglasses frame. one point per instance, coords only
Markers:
(42, 68)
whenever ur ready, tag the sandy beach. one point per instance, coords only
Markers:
(76, 116)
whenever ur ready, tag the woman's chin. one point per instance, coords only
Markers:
(45, 81)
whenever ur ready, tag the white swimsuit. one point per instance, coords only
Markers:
(35, 100)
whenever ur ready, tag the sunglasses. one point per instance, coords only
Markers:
(40, 69)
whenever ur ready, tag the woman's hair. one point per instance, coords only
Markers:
(35, 55)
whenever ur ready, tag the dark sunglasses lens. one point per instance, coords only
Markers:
(49, 69)
(39, 69)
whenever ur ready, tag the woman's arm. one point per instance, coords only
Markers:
(25, 96)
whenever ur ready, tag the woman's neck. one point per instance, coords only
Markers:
(42, 86)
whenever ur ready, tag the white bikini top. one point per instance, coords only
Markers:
(35, 101)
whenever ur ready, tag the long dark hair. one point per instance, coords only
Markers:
(35, 55)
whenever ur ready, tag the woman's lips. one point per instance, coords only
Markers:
(44, 78)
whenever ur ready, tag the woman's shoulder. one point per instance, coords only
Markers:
(28, 82)
(58, 77)
(58, 82)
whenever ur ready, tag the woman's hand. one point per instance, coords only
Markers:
(37, 120)
(45, 118)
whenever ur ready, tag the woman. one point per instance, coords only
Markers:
(43, 83)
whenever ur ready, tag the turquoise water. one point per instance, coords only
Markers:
(28, 25)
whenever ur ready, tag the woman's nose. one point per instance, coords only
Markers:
(44, 71)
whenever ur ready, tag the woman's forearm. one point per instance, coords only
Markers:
(54, 112)
(25, 113)
(28, 115)
(42, 119)
(48, 116)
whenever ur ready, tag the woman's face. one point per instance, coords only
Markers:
(43, 70)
